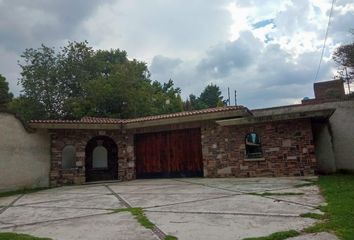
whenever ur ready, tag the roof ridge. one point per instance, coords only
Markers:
(107, 120)
(183, 113)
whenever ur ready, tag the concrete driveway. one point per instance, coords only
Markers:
(189, 209)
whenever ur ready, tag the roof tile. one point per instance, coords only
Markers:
(96, 120)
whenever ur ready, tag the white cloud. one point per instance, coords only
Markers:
(146, 28)
(267, 50)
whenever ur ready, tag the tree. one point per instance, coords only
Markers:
(5, 95)
(196, 103)
(76, 81)
(211, 96)
(344, 57)
(51, 78)
(27, 108)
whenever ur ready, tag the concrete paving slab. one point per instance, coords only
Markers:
(159, 199)
(316, 236)
(6, 225)
(142, 188)
(314, 200)
(215, 209)
(28, 215)
(175, 189)
(249, 184)
(306, 190)
(34, 198)
(223, 227)
(5, 201)
(82, 189)
(311, 195)
(242, 204)
(142, 182)
(93, 202)
(120, 226)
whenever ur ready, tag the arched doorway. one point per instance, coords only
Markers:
(101, 159)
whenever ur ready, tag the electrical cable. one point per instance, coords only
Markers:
(325, 40)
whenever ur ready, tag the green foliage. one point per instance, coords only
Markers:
(50, 78)
(16, 236)
(210, 97)
(277, 194)
(339, 213)
(77, 81)
(277, 236)
(139, 215)
(5, 95)
(338, 192)
(28, 108)
(170, 237)
(22, 191)
(305, 184)
(344, 56)
(313, 215)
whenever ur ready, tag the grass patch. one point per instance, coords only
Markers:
(21, 191)
(170, 237)
(305, 184)
(338, 192)
(277, 236)
(313, 215)
(339, 211)
(277, 194)
(16, 236)
(139, 215)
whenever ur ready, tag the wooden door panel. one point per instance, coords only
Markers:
(173, 153)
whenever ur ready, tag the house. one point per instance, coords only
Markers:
(233, 141)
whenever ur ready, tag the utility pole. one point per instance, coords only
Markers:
(228, 96)
(235, 98)
(347, 79)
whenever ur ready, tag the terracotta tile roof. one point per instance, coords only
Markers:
(184, 114)
(96, 120)
(84, 120)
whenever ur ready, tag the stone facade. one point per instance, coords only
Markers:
(79, 139)
(287, 148)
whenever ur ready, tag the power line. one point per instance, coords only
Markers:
(325, 40)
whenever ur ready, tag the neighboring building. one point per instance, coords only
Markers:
(296, 140)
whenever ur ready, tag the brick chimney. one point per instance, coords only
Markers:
(329, 90)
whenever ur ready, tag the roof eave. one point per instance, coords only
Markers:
(186, 119)
(317, 114)
(100, 126)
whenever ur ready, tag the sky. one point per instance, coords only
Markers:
(266, 50)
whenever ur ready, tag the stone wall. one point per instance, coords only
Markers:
(79, 139)
(24, 155)
(287, 147)
(340, 131)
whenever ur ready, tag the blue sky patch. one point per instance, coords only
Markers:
(263, 23)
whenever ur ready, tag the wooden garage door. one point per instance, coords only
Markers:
(169, 154)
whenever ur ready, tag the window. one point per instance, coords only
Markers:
(253, 146)
(68, 157)
(99, 157)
